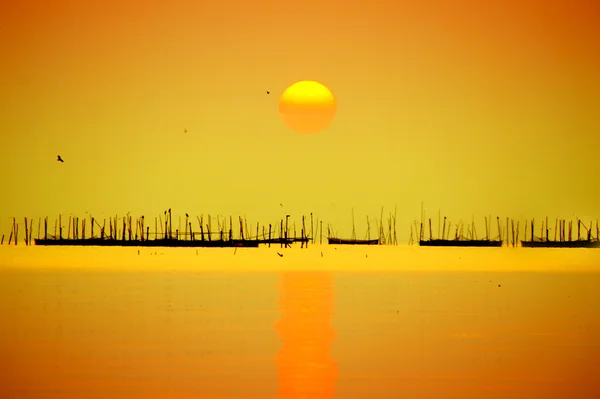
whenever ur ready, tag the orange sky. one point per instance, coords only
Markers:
(473, 107)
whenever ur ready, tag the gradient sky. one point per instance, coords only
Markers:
(473, 107)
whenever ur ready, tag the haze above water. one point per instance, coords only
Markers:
(352, 323)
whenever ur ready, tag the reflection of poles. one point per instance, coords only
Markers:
(304, 362)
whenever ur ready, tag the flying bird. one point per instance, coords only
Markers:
(268, 92)
(185, 130)
(280, 255)
(60, 159)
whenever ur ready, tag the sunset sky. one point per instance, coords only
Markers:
(474, 107)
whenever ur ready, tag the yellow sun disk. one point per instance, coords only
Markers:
(307, 107)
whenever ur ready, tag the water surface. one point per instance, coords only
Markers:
(395, 324)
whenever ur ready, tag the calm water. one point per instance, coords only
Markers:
(77, 330)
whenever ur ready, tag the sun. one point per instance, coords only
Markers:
(307, 107)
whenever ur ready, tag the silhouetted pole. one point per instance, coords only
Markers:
(321, 233)
(281, 233)
(312, 230)
(269, 235)
(430, 231)
(26, 235)
(208, 229)
(499, 228)
(444, 229)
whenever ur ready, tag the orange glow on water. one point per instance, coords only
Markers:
(305, 366)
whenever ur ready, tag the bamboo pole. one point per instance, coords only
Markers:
(395, 225)
(430, 231)
(30, 231)
(270, 235)
(303, 230)
(499, 228)
(186, 226)
(45, 228)
(26, 235)
(60, 226)
(163, 234)
(12, 230)
(512, 222)
(208, 229)
(201, 222)
(321, 234)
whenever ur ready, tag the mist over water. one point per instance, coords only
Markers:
(322, 323)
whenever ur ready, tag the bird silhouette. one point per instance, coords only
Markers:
(185, 130)
(186, 215)
(280, 255)
(268, 92)
(60, 159)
